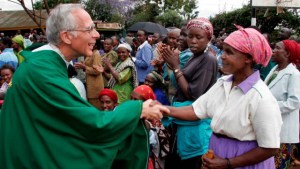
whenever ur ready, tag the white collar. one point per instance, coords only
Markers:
(143, 44)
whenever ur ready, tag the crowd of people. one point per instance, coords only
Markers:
(146, 101)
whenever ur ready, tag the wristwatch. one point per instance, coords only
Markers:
(176, 70)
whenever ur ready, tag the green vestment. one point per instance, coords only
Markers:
(45, 124)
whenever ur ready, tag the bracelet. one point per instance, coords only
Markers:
(177, 76)
(228, 163)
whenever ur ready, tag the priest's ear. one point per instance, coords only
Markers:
(66, 37)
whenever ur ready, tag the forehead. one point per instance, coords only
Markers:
(108, 41)
(82, 17)
(156, 35)
(173, 34)
(140, 33)
(5, 71)
(137, 96)
(280, 44)
(197, 31)
(105, 98)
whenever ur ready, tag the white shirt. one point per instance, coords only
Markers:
(79, 86)
(286, 89)
(245, 113)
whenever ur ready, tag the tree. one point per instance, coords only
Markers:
(35, 14)
(144, 12)
(170, 19)
(50, 3)
(265, 21)
(109, 10)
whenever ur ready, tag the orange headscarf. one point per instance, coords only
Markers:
(145, 91)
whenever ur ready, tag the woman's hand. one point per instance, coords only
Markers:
(79, 65)
(170, 56)
(215, 163)
(99, 68)
(106, 61)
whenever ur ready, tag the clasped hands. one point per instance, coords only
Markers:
(153, 110)
(166, 54)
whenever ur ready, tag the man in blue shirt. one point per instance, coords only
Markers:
(7, 56)
(143, 57)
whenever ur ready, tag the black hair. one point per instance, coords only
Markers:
(7, 66)
(6, 41)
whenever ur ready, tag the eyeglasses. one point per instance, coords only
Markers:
(89, 29)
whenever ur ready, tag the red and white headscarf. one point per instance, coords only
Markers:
(249, 40)
(145, 91)
(202, 23)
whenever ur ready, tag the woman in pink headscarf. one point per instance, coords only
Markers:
(246, 119)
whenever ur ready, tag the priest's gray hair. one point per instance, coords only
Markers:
(61, 19)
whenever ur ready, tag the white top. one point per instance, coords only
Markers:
(79, 86)
(286, 89)
(246, 112)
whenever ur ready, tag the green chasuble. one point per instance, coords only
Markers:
(45, 124)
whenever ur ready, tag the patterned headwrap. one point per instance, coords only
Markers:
(294, 49)
(110, 93)
(249, 40)
(158, 78)
(19, 40)
(145, 91)
(202, 23)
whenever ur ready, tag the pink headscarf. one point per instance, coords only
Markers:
(249, 40)
(202, 23)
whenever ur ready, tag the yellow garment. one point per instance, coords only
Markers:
(20, 57)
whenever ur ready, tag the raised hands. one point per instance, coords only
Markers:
(171, 56)
(153, 110)
(79, 65)
(106, 61)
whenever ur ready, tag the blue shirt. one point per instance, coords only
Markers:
(8, 57)
(143, 57)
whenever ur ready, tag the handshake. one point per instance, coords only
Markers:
(153, 110)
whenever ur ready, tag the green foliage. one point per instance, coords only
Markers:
(172, 13)
(265, 21)
(189, 9)
(240, 16)
(51, 3)
(170, 19)
(144, 13)
(98, 11)
(117, 18)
